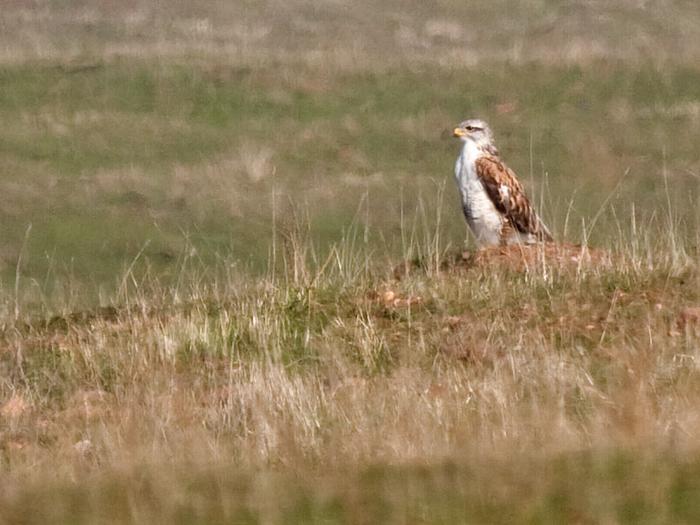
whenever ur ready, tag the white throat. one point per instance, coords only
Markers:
(470, 151)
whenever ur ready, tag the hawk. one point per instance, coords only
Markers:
(493, 200)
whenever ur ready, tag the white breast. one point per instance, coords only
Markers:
(482, 216)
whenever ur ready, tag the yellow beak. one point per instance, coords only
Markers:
(458, 132)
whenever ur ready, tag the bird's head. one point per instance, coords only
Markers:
(474, 130)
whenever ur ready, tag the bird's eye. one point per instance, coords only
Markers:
(469, 128)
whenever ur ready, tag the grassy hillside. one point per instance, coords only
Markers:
(562, 392)
(231, 281)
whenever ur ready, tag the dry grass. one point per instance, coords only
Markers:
(329, 369)
(354, 35)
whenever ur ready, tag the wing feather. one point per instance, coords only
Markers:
(508, 195)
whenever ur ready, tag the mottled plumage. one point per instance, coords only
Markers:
(493, 200)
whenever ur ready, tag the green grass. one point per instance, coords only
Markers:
(164, 156)
(547, 492)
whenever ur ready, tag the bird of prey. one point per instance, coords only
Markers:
(493, 200)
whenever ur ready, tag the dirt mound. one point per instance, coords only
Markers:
(521, 257)
(516, 257)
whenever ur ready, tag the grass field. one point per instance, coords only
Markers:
(202, 207)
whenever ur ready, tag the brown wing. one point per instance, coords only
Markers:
(509, 197)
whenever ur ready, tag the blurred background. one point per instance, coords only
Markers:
(142, 134)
